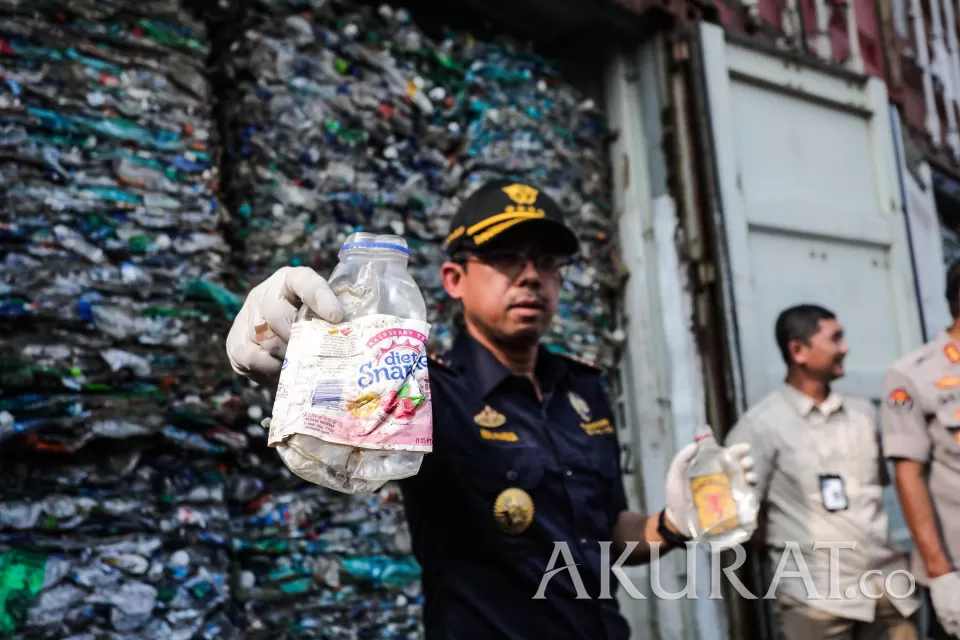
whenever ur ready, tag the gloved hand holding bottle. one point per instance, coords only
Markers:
(352, 408)
(257, 342)
(710, 495)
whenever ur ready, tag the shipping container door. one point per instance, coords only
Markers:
(810, 210)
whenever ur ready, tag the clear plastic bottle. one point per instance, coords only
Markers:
(352, 410)
(723, 506)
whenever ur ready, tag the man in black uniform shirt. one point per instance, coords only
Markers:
(525, 453)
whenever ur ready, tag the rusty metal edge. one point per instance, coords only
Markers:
(689, 153)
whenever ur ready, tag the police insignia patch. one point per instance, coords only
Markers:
(580, 406)
(490, 418)
(521, 194)
(899, 398)
(952, 353)
(513, 511)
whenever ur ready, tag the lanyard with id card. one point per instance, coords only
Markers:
(833, 491)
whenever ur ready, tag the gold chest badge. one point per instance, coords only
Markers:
(490, 418)
(513, 511)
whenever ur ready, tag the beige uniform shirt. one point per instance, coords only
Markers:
(794, 444)
(921, 421)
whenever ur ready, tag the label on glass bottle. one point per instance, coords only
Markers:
(714, 502)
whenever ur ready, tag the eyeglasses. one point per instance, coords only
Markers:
(511, 261)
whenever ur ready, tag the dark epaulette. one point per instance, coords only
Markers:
(438, 360)
(588, 366)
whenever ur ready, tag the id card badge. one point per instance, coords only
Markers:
(832, 493)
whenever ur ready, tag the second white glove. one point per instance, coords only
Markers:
(678, 501)
(945, 596)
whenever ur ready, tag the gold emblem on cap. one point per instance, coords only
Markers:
(521, 194)
(490, 418)
(579, 405)
(513, 510)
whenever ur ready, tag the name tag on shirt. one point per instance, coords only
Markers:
(832, 493)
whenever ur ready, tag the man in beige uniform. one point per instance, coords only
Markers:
(820, 481)
(921, 433)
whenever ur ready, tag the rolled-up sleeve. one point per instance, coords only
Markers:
(904, 426)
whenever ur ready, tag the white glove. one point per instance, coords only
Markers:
(258, 338)
(677, 500)
(945, 596)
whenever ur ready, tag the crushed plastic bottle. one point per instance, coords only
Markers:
(723, 507)
(353, 408)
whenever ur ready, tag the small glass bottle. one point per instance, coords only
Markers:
(723, 507)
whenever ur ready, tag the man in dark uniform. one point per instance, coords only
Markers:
(524, 476)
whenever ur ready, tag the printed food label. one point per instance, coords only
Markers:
(716, 508)
(362, 383)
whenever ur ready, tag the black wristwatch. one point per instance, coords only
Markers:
(671, 538)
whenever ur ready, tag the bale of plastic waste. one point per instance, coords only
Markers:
(346, 117)
(119, 417)
(113, 312)
(136, 586)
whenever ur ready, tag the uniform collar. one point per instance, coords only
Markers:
(473, 359)
(804, 404)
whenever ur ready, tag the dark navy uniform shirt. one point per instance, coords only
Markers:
(491, 435)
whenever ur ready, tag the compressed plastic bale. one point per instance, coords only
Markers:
(113, 308)
(122, 587)
(293, 545)
(348, 117)
(343, 117)
(126, 344)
